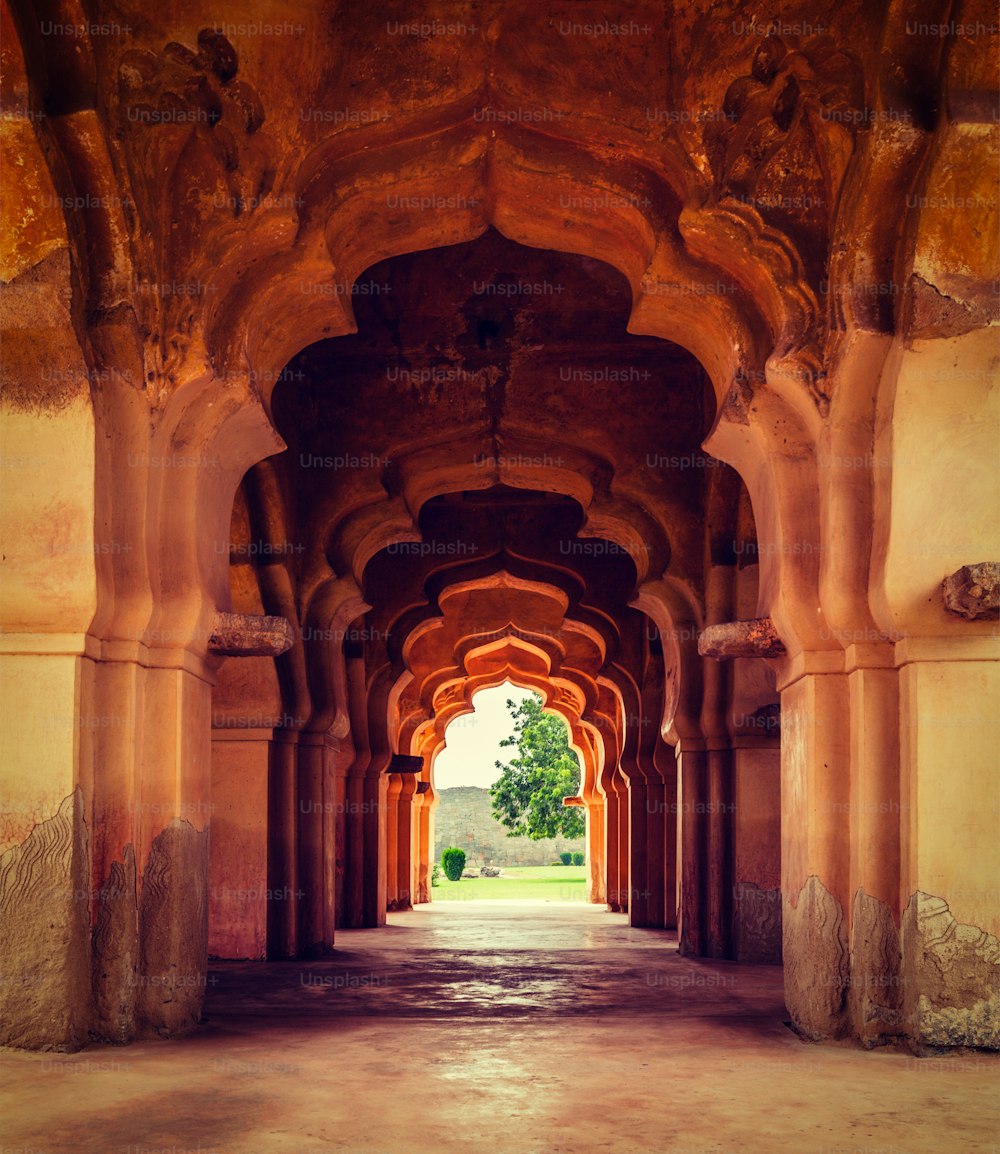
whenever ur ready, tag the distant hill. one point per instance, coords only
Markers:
(463, 818)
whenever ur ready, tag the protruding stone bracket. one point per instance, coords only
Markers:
(423, 787)
(973, 592)
(248, 635)
(754, 638)
(573, 801)
(404, 763)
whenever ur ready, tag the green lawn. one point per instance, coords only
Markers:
(519, 883)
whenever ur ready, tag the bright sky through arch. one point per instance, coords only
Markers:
(473, 741)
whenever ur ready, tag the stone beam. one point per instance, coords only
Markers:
(572, 801)
(754, 638)
(973, 591)
(405, 763)
(248, 635)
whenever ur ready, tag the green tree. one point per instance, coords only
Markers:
(527, 796)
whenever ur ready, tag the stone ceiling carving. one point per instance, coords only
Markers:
(227, 172)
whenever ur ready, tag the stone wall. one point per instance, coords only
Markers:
(463, 818)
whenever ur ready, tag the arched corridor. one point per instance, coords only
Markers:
(355, 368)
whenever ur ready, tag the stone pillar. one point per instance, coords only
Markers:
(647, 844)
(693, 791)
(355, 859)
(617, 844)
(639, 866)
(315, 819)
(815, 848)
(374, 873)
(342, 763)
(46, 999)
(356, 799)
(408, 844)
(282, 857)
(117, 694)
(718, 829)
(425, 834)
(173, 851)
(874, 993)
(666, 765)
(238, 845)
(623, 841)
(52, 539)
(330, 839)
(394, 786)
(950, 851)
(597, 871)
(756, 887)
(612, 826)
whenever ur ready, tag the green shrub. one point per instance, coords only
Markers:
(453, 862)
(566, 857)
(578, 858)
(436, 875)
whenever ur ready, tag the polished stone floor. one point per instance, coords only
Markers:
(497, 1028)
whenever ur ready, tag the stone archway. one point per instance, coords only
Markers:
(808, 376)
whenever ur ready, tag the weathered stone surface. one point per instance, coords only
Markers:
(757, 923)
(875, 988)
(116, 952)
(951, 977)
(754, 638)
(815, 954)
(973, 591)
(464, 818)
(173, 927)
(935, 313)
(247, 635)
(45, 999)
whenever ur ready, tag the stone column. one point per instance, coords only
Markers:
(315, 817)
(330, 839)
(693, 796)
(756, 889)
(623, 841)
(425, 834)
(647, 844)
(639, 893)
(666, 766)
(238, 845)
(612, 827)
(719, 853)
(356, 799)
(950, 850)
(51, 715)
(342, 763)
(815, 848)
(875, 994)
(394, 787)
(282, 840)
(407, 842)
(597, 869)
(374, 874)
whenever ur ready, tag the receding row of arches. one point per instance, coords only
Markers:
(449, 397)
(566, 426)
